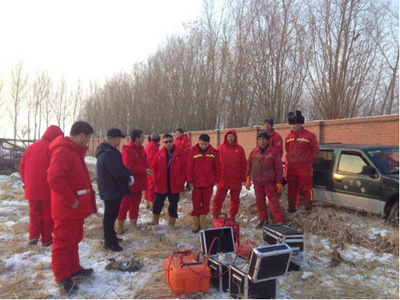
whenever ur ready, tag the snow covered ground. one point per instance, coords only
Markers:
(25, 271)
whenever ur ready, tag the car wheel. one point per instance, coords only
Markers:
(394, 214)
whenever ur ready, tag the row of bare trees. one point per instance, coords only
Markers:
(239, 62)
(244, 60)
(32, 104)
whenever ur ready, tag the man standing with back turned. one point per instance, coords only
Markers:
(302, 150)
(72, 200)
(113, 181)
(33, 172)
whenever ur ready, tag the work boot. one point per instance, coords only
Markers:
(119, 226)
(133, 223)
(291, 205)
(308, 205)
(113, 247)
(196, 224)
(203, 221)
(171, 221)
(82, 273)
(67, 286)
(156, 219)
(47, 244)
(33, 242)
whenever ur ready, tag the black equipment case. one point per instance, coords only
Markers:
(281, 234)
(222, 254)
(269, 262)
(241, 286)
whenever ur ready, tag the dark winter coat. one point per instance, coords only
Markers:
(112, 176)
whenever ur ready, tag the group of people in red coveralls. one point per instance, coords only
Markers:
(58, 186)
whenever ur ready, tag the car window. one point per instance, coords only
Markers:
(351, 163)
(324, 160)
(387, 160)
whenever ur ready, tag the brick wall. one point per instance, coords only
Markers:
(378, 130)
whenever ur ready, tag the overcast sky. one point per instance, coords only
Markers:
(87, 39)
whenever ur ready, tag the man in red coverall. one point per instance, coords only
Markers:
(275, 139)
(182, 140)
(264, 168)
(302, 150)
(72, 200)
(33, 172)
(151, 149)
(135, 159)
(233, 161)
(203, 171)
(169, 166)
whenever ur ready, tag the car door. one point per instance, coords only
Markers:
(351, 187)
(322, 176)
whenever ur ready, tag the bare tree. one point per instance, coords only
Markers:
(41, 93)
(60, 104)
(19, 87)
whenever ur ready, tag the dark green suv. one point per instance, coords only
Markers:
(359, 177)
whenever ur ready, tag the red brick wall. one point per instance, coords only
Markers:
(378, 130)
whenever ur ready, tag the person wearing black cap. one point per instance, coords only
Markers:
(302, 150)
(275, 139)
(264, 168)
(113, 180)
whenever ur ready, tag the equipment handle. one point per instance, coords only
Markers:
(229, 219)
(225, 215)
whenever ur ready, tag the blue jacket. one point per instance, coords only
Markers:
(112, 176)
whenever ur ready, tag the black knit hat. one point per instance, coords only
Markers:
(270, 121)
(263, 134)
(295, 118)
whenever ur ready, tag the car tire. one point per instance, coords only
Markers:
(394, 214)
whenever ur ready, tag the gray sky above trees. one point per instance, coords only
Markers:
(88, 39)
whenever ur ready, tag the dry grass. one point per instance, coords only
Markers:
(344, 227)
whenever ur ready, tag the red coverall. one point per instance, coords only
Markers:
(151, 149)
(276, 141)
(266, 171)
(302, 150)
(135, 160)
(69, 179)
(183, 142)
(177, 171)
(233, 161)
(203, 170)
(33, 172)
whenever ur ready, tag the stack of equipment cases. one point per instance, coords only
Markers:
(218, 244)
(257, 279)
(185, 274)
(280, 234)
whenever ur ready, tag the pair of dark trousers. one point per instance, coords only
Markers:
(111, 209)
(173, 204)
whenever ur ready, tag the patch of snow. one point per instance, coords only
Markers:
(90, 160)
(376, 231)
